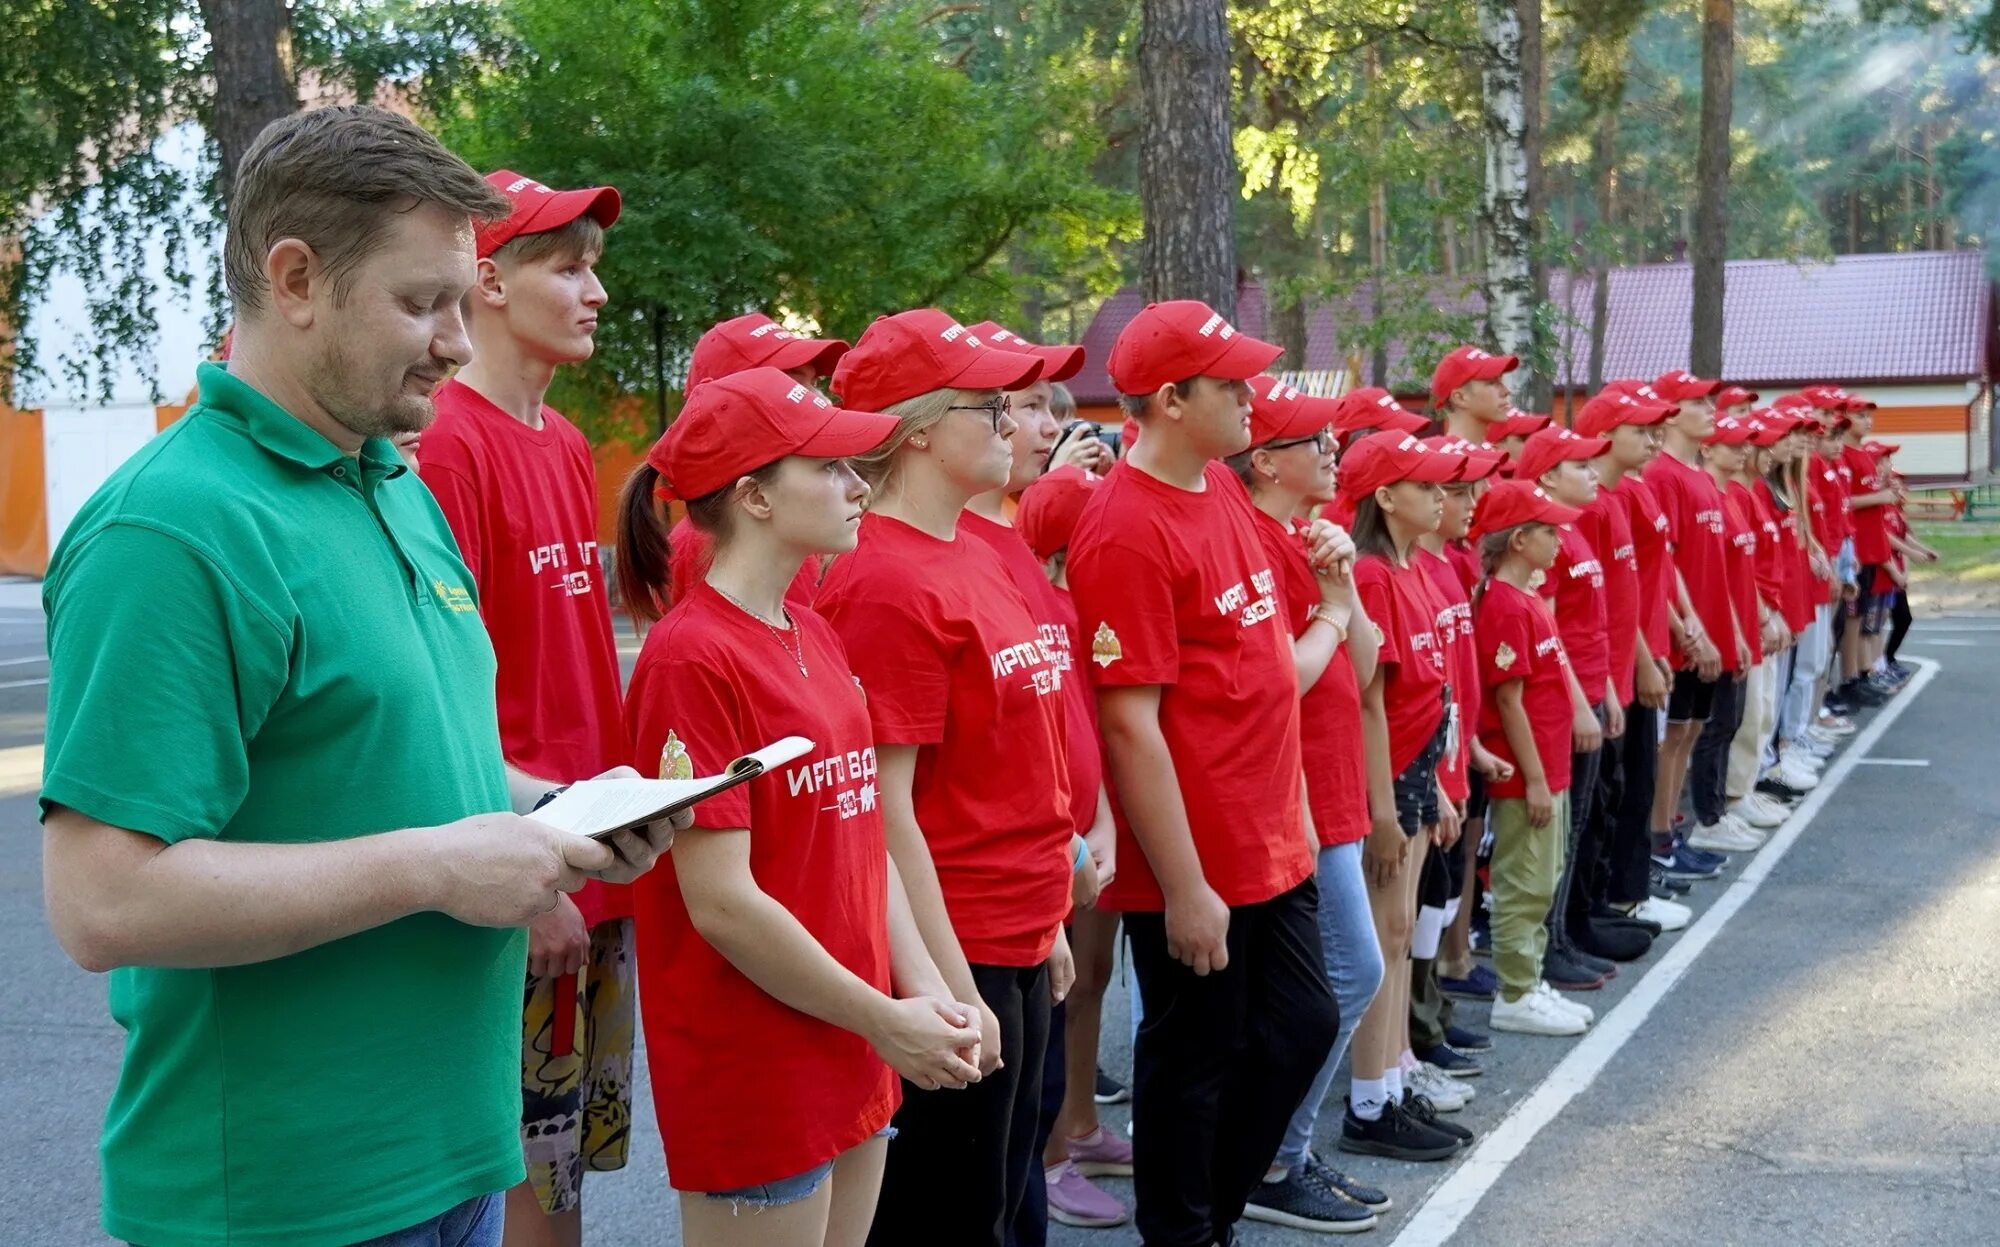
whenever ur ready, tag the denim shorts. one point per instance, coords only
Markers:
(1417, 789)
(786, 1190)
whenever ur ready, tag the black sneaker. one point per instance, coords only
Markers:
(1773, 788)
(1110, 1090)
(1589, 961)
(1361, 1193)
(1421, 1108)
(1613, 941)
(1451, 1061)
(1607, 916)
(1296, 1200)
(1467, 1041)
(1566, 975)
(1395, 1134)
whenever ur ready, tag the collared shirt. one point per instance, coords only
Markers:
(256, 638)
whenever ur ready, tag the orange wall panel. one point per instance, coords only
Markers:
(1902, 420)
(24, 512)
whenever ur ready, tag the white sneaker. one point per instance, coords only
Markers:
(1756, 815)
(1736, 823)
(1820, 738)
(1794, 776)
(1575, 1007)
(1836, 724)
(1730, 835)
(1440, 1088)
(1671, 915)
(1534, 1014)
(1772, 806)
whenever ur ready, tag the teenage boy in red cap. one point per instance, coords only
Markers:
(1782, 602)
(1624, 522)
(1371, 409)
(753, 340)
(1869, 502)
(1470, 396)
(1709, 646)
(1199, 705)
(1557, 461)
(517, 484)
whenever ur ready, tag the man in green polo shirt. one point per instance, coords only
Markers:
(274, 798)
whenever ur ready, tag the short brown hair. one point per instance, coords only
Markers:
(582, 238)
(331, 177)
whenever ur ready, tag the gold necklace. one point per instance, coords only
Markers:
(794, 649)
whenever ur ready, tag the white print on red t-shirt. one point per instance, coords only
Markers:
(1254, 610)
(1591, 568)
(1626, 554)
(1038, 653)
(1454, 621)
(1552, 645)
(853, 773)
(575, 583)
(1712, 520)
(1746, 541)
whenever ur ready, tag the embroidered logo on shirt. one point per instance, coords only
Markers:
(674, 760)
(1104, 646)
(1504, 657)
(454, 598)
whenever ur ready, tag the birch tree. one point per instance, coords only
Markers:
(1510, 285)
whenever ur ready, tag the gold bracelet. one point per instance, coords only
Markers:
(1325, 616)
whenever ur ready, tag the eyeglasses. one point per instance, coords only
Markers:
(1321, 441)
(996, 411)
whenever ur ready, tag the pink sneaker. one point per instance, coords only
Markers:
(1076, 1200)
(1101, 1154)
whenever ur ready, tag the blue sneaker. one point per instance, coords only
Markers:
(1452, 1061)
(1700, 859)
(1674, 868)
(1467, 1041)
(1480, 984)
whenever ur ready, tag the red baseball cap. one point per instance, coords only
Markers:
(1521, 423)
(1388, 457)
(1468, 363)
(1049, 509)
(1480, 461)
(733, 425)
(1729, 431)
(1372, 407)
(1609, 409)
(1769, 426)
(1788, 402)
(919, 351)
(1680, 384)
(1510, 504)
(1171, 342)
(1833, 398)
(1059, 363)
(757, 341)
(539, 209)
(1879, 449)
(1552, 446)
(1734, 396)
(1280, 412)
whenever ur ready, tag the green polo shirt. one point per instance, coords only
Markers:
(254, 637)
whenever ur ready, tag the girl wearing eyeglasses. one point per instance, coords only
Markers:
(965, 698)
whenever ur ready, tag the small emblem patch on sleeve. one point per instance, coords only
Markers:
(674, 760)
(1104, 646)
(1503, 657)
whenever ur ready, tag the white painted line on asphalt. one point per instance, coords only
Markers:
(1892, 762)
(20, 662)
(1453, 1200)
(1938, 640)
(23, 683)
(20, 770)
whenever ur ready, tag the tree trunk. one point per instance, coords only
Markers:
(1604, 162)
(1187, 164)
(250, 54)
(1447, 226)
(1711, 177)
(1510, 285)
(1535, 391)
(1288, 329)
(1853, 222)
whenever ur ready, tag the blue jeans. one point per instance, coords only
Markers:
(474, 1223)
(1353, 971)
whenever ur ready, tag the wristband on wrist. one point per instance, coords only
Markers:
(1082, 852)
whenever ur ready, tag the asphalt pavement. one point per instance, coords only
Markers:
(1812, 1066)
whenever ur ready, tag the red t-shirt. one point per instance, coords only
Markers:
(1820, 520)
(1517, 641)
(1464, 561)
(1608, 528)
(1649, 542)
(1693, 507)
(1794, 568)
(523, 504)
(1871, 538)
(1574, 589)
(1770, 552)
(1898, 525)
(953, 662)
(1740, 531)
(1174, 589)
(689, 550)
(1330, 711)
(1454, 627)
(1055, 617)
(748, 1089)
(1830, 484)
(1411, 656)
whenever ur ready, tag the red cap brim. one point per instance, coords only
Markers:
(1059, 363)
(546, 212)
(1244, 358)
(1435, 468)
(848, 433)
(998, 370)
(1479, 467)
(822, 354)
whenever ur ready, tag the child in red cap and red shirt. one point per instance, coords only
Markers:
(1289, 469)
(966, 700)
(750, 341)
(1392, 481)
(1529, 720)
(1471, 399)
(1198, 701)
(518, 486)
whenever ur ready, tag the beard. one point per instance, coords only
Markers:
(350, 394)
